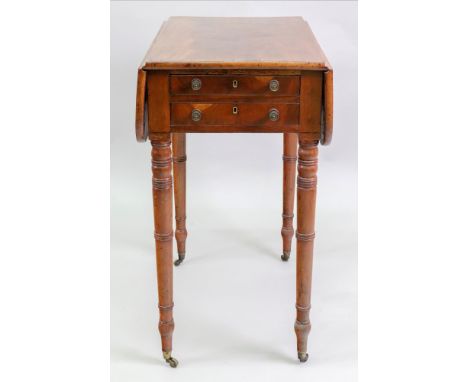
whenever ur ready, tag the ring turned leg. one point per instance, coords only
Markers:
(162, 205)
(289, 177)
(306, 195)
(179, 158)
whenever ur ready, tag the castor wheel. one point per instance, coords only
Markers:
(303, 357)
(180, 259)
(285, 256)
(170, 360)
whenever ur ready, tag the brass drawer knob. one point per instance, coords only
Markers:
(273, 114)
(196, 84)
(196, 115)
(235, 84)
(274, 85)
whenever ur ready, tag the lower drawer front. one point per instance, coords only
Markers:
(240, 114)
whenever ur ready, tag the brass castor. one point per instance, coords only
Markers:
(180, 259)
(285, 256)
(303, 357)
(169, 359)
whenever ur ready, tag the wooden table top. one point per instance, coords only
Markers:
(235, 42)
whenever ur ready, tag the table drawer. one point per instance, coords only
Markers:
(240, 114)
(235, 85)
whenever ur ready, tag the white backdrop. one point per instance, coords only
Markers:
(234, 297)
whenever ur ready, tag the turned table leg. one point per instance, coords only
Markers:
(179, 158)
(162, 205)
(306, 195)
(289, 177)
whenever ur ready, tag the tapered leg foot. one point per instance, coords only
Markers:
(180, 259)
(285, 256)
(179, 158)
(162, 201)
(289, 176)
(305, 234)
(169, 359)
(303, 357)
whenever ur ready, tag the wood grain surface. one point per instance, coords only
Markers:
(179, 158)
(229, 48)
(234, 60)
(240, 42)
(141, 112)
(289, 178)
(327, 123)
(161, 164)
(222, 114)
(244, 85)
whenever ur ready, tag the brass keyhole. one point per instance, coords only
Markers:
(235, 110)
(235, 84)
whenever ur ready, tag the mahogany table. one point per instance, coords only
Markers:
(232, 75)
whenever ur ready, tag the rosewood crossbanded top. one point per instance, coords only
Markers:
(235, 42)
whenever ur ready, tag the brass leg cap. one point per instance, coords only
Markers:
(303, 357)
(180, 259)
(285, 256)
(170, 360)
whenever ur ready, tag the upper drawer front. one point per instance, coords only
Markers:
(240, 114)
(235, 85)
